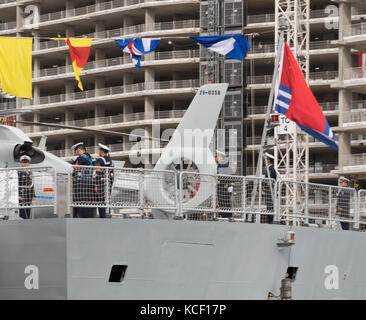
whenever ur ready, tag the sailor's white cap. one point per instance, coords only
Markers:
(76, 145)
(25, 158)
(343, 179)
(220, 152)
(104, 147)
(269, 155)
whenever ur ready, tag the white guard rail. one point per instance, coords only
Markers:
(316, 204)
(361, 204)
(188, 195)
(226, 196)
(26, 189)
(122, 188)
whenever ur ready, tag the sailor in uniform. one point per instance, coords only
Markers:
(25, 187)
(224, 186)
(82, 181)
(343, 202)
(101, 178)
(267, 192)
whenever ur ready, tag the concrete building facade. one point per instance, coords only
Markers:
(336, 31)
(116, 96)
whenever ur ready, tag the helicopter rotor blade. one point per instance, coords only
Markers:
(54, 125)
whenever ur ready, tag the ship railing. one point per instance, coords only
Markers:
(189, 195)
(301, 203)
(212, 197)
(122, 189)
(361, 204)
(26, 189)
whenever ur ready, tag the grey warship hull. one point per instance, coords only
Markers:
(172, 259)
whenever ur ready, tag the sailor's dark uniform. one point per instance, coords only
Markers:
(267, 192)
(83, 185)
(343, 207)
(224, 189)
(100, 182)
(26, 192)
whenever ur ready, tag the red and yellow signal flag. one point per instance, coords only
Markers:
(16, 66)
(79, 53)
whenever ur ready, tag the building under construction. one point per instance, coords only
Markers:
(336, 33)
(117, 97)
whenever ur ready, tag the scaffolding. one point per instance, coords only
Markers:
(291, 149)
(219, 17)
(289, 144)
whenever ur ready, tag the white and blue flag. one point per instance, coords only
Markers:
(231, 46)
(137, 47)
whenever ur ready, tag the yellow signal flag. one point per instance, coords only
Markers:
(16, 66)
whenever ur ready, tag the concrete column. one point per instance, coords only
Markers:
(36, 118)
(127, 109)
(69, 89)
(149, 85)
(36, 67)
(149, 26)
(344, 61)
(68, 65)
(155, 144)
(36, 94)
(99, 85)
(149, 108)
(69, 115)
(18, 105)
(344, 139)
(149, 19)
(149, 114)
(36, 40)
(99, 112)
(177, 76)
(149, 78)
(100, 57)
(344, 95)
(69, 142)
(344, 57)
(148, 144)
(69, 6)
(20, 17)
(99, 26)
(127, 22)
(98, 139)
(344, 148)
(345, 17)
(127, 78)
(100, 52)
(70, 32)
(345, 104)
(98, 4)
